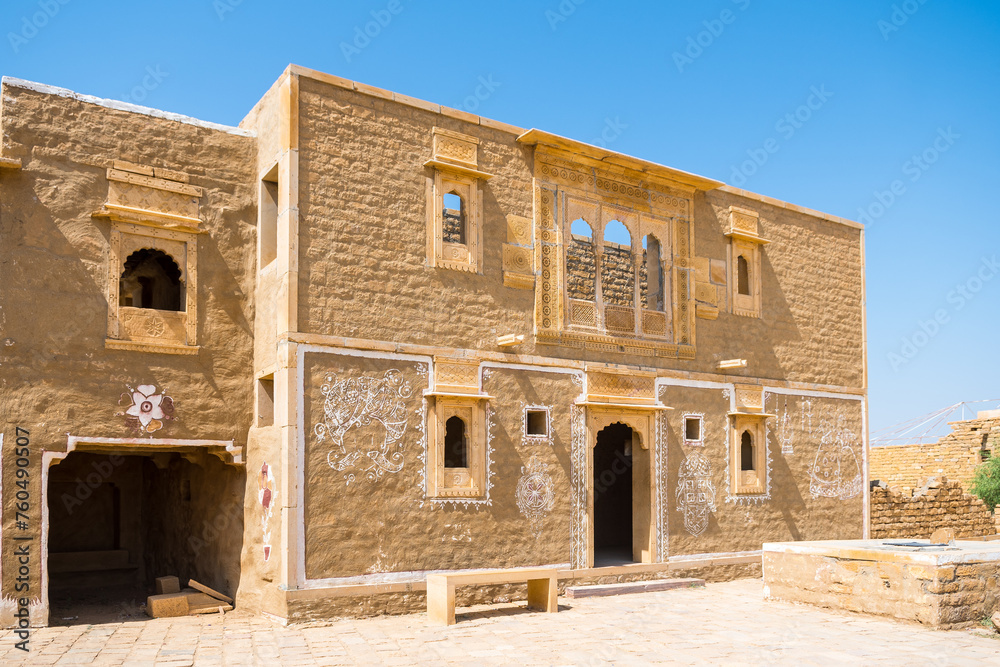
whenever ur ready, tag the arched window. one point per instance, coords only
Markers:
(742, 275)
(581, 264)
(651, 274)
(746, 452)
(456, 444)
(453, 218)
(151, 279)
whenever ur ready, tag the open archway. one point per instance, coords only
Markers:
(613, 497)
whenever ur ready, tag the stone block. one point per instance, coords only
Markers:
(169, 584)
(167, 605)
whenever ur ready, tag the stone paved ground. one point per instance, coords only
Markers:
(726, 624)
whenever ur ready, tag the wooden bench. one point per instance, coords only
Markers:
(542, 592)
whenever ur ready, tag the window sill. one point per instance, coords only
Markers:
(150, 346)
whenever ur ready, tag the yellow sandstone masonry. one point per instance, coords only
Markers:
(353, 341)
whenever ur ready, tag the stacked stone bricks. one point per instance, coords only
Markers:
(955, 456)
(939, 504)
(617, 287)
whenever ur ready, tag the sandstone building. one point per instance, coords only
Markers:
(362, 337)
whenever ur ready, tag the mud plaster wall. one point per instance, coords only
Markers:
(56, 377)
(386, 520)
(796, 510)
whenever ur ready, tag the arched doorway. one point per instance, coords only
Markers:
(613, 497)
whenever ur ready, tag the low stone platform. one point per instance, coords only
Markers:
(604, 590)
(943, 586)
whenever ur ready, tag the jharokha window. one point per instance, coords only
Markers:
(615, 279)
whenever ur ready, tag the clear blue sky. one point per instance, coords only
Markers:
(700, 86)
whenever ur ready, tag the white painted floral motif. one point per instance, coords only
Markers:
(535, 494)
(835, 472)
(353, 402)
(148, 409)
(695, 492)
(266, 496)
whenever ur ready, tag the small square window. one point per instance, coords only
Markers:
(536, 423)
(693, 429)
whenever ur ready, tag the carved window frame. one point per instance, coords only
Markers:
(455, 167)
(647, 323)
(742, 484)
(460, 483)
(745, 240)
(148, 329)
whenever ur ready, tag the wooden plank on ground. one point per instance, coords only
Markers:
(209, 591)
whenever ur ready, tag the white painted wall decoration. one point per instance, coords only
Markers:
(660, 481)
(352, 402)
(785, 432)
(578, 467)
(695, 492)
(535, 493)
(835, 472)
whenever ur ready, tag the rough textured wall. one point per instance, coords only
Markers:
(815, 483)
(56, 376)
(811, 297)
(956, 455)
(617, 275)
(345, 429)
(363, 202)
(581, 269)
(363, 207)
(939, 504)
(617, 280)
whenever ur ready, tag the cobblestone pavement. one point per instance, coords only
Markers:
(726, 623)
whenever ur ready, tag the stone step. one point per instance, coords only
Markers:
(604, 590)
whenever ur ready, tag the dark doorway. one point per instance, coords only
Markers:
(118, 521)
(613, 496)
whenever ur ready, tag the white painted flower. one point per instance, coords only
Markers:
(146, 407)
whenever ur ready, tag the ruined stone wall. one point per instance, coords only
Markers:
(618, 279)
(956, 455)
(940, 504)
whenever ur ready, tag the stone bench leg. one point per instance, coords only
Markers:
(440, 601)
(543, 594)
